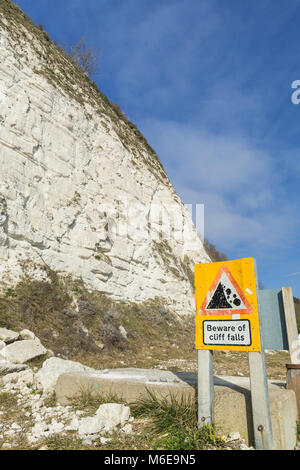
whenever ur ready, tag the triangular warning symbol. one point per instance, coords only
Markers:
(219, 299)
(225, 296)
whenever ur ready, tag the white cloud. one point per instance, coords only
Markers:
(235, 180)
(224, 164)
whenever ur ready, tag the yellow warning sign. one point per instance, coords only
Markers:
(226, 306)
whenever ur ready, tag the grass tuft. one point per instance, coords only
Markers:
(6, 400)
(50, 401)
(189, 439)
(67, 442)
(89, 401)
(166, 415)
(175, 422)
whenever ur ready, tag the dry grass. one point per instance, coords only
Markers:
(11, 413)
(90, 332)
(89, 402)
(153, 419)
(232, 364)
(236, 363)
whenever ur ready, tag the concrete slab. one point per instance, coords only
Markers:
(232, 404)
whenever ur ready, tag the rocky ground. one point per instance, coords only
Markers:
(30, 418)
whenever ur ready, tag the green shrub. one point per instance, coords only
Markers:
(185, 438)
(89, 401)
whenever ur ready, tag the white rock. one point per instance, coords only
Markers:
(6, 445)
(8, 336)
(234, 436)
(73, 426)
(32, 439)
(271, 352)
(56, 427)
(37, 405)
(2, 344)
(39, 428)
(27, 334)
(113, 414)
(243, 446)
(108, 416)
(123, 331)
(76, 182)
(24, 377)
(16, 427)
(104, 440)
(52, 368)
(87, 441)
(90, 425)
(22, 351)
(127, 429)
(7, 367)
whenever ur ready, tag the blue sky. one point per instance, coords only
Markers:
(208, 82)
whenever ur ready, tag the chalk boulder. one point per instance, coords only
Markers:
(52, 368)
(8, 336)
(27, 334)
(7, 367)
(107, 417)
(22, 351)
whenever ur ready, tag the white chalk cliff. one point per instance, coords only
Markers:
(80, 188)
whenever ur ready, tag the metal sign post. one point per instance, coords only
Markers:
(262, 424)
(205, 388)
(291, 325)
(228, 318)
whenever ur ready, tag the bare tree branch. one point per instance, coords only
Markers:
(85, 57)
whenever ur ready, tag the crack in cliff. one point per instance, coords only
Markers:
(150, 207)
(4, 241)
(23, 238)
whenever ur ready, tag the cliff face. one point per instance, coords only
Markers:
(80, 188)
